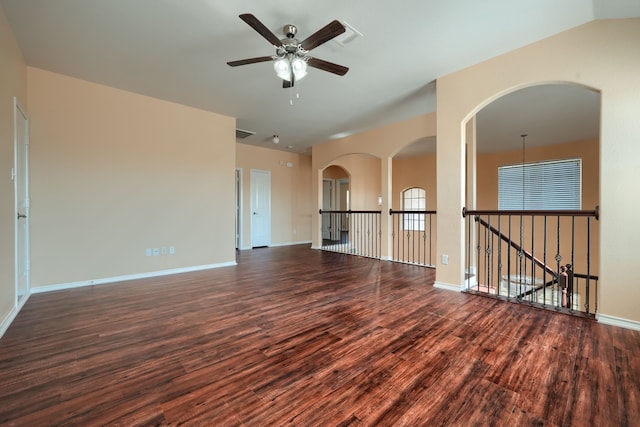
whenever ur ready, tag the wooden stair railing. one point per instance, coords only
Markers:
(568, 284)
(514, 245)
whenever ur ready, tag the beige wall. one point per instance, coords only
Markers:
(114, 173)
(290, 198)
(335, 172)
(419, 171)
(382, 143)
(364, 180)
(602, 55)
(588, 151)
(13, 83)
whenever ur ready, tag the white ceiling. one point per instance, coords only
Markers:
(177, 50)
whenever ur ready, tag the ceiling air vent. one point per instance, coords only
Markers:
(349, 35)
(242, 134)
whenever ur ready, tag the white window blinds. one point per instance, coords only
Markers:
(554, 185)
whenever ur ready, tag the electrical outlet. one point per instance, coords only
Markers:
(148, 252)
(172, 250)
(163, 251)
(156, 251)
(445, 259)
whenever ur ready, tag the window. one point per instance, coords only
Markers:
(552, 185)
(414, 199)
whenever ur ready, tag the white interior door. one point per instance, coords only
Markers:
(327, 205)
(21, 185)
(342, 202)
(260, 208)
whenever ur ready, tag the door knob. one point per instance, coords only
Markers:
(21, 215)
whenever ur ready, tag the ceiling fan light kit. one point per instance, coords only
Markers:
(291, 58)
(290, 67)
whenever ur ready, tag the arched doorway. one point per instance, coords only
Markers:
(335, 197)
(532, 231)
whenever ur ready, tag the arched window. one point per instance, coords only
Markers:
(414, 199)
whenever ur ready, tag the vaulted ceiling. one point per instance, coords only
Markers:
(178, 50)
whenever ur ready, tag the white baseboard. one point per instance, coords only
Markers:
(71, 285)
(618, 321)
(11, 316)
(447, 286)
(275, 245)
(316, 247)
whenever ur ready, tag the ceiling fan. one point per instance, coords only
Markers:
(292, 56)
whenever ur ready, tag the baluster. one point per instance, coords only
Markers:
(573, 246)
(544, 260)
(430, 240)
(498, 287)
(588, 296)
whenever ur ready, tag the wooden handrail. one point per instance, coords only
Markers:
(349, 212)
(593, 213)
(537, 288)
(553, 282)
(391, 212)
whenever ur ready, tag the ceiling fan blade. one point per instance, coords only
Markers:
(261, 29)
(327, 66)
(250, 61)
(323, 35)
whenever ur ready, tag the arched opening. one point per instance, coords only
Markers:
(350, 220)
(531, 236)
(413, 208)
(335, 197)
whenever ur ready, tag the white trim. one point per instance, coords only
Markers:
(26, 259)
(387, 258)
(447, 286)
(618, 321)
(274, 245)
(10, 317)
(471, 282)
(332, 204)
(316, 247)
(240, 207)
(72, 285)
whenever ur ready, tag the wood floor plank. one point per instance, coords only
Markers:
(294, 336)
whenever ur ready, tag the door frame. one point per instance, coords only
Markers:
(327, 233)
(239, 209)
(23, 255)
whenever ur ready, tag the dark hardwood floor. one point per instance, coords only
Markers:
(293, 336)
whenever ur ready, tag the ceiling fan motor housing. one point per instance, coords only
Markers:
(290, 31)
